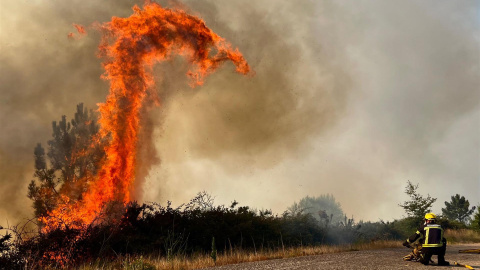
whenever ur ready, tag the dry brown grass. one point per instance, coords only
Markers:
(462, 236)
(238, 256)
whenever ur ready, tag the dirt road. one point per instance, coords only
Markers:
(369, 259)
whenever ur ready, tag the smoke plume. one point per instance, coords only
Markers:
(349, 98)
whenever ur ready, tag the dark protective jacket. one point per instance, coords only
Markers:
(431, 235)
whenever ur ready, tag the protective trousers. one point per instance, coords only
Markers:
(428, 252)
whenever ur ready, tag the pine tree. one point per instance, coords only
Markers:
(73, 158)
(458, 209)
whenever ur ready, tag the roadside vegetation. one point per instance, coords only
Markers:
(198, 233)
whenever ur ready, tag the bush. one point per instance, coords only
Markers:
(152, 228)
(451, 224)
(475, 225)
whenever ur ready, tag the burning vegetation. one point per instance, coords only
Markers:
(83, 191)
(88, 180)
(131, 47)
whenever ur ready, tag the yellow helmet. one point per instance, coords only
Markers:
(430, 216)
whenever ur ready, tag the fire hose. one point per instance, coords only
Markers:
(414, 257)
(464, 265)
(467, 251)
(415, 254)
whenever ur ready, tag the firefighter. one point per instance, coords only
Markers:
(431, 240)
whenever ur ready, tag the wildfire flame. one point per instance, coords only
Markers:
(80, 29)
(130, 47)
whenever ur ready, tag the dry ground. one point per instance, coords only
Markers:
(390, 258)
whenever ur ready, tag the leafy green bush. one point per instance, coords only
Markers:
(451, 224)
(475, 225)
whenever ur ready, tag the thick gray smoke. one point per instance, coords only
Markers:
(352, 98)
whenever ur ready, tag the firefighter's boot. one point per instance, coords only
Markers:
(425, 258)
(441, 260)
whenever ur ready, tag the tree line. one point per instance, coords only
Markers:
(457, 210)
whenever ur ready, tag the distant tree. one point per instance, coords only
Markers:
(458, 209)
(324, 208)
(73, 158)
(417, 206)
(475, 224)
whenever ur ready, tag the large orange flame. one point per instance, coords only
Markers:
(131, 46)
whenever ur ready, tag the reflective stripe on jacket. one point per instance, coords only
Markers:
(433, 235)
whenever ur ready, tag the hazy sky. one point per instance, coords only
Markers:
(352, 98)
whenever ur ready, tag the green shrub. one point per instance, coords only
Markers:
(475, 225)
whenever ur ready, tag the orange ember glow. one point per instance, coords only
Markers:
(80, 28)
(130, 47)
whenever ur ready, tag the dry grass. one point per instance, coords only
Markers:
(462, 236)
(238, 256)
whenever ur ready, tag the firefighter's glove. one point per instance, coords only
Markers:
(406, 244)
